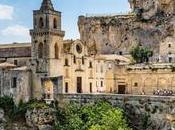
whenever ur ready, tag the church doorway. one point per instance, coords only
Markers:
(79, 84)
(121, 89)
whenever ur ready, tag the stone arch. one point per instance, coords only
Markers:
(40, 50)
(41, 22)
(48, 89)
(55, 23)
(149, 85)
(56, 51)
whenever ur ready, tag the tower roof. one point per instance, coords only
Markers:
(47, 5)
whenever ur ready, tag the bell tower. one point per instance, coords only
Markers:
(47, 38)
(47, 43)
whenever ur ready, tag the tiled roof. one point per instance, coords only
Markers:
(15, 50)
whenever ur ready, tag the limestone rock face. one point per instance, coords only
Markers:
(150, 23)
(41, 119)
(150, 8)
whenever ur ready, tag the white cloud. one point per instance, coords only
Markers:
(16, 33)
(16, 30)
(6, 12)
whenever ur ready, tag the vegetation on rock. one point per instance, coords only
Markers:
(16, 112)
(73, 116)
(141, 54)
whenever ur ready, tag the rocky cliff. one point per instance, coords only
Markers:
(150, 22)
(36, 119)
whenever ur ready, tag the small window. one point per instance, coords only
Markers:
(101, 83)
(169, 45)
(14, 82)
(16, 62)
(74, 59)
(90, 64)
(66, 62)
(135, 84)
(90, 85)
(170, 59)
(120, 53)
(66, 87)
(83, 60)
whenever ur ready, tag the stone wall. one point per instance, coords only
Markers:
(143, 112)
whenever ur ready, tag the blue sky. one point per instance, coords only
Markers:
(16, 15)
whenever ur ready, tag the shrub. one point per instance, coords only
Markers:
(141, 54)
(90, 117)
(8, 105)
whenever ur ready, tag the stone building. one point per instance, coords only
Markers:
(50, 65)
(144, 79)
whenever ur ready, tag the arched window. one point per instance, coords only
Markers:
(41, 23)
(55, 23)
(56, 51)
(40, 50)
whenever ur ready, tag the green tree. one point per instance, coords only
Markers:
(141, 54)
(69, 117)
(112, 120)
(96, 116)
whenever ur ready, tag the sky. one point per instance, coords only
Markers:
(16, 16)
